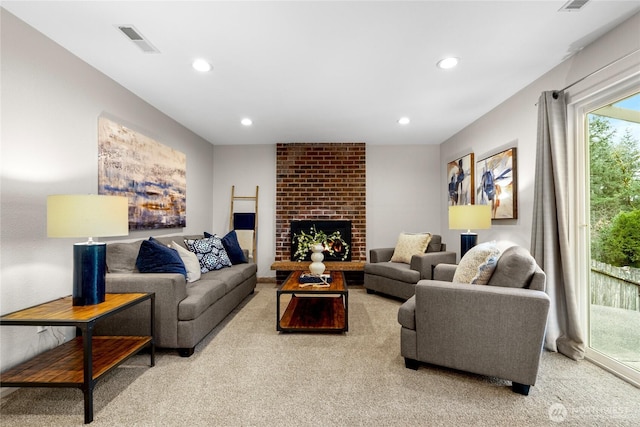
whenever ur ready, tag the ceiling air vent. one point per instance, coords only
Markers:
(573, 5)
(134, 35)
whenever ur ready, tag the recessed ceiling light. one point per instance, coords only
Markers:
(404, 120)
(447, 63)
(246, 122)
(201, 65)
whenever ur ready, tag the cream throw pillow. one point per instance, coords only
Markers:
(410, 244)
(478, 264)
(190, 260)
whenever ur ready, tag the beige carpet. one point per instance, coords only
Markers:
(247, 374)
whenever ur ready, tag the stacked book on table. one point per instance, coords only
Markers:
(318, 281)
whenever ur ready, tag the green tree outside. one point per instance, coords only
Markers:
(622, 242)
(615, 191)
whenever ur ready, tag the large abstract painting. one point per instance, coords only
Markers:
(497, 184)
(150, 174)
(460, 184)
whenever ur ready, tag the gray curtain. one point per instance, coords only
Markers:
(550, 243)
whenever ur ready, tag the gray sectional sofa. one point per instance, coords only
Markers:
(184, 312)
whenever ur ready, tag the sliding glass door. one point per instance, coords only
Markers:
(612, 146)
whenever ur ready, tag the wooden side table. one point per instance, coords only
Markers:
(82, 361)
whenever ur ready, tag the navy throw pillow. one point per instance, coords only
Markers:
(232, 247)
(154, 257)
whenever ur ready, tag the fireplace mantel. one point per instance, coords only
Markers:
(330, 265)
(353, 270)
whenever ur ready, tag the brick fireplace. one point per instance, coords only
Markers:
(321, 181)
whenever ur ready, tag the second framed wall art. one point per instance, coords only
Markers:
(497, 184)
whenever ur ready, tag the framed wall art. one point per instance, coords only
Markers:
(497, 184)
(460, 181)
(152, 175)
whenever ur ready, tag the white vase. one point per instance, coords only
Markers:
(317, 267)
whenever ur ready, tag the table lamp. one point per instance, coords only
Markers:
(468, 217)
(88, 215)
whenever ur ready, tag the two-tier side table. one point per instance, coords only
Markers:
(82, 361)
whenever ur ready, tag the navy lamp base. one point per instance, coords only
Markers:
(89, 269)
(467, 241)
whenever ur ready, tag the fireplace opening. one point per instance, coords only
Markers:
(335, 235)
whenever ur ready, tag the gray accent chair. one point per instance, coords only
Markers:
(398, 279)
(494, 330)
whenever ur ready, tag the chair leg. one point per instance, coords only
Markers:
(520, 388)
(411, 363)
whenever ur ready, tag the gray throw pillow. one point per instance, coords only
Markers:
(121, 257)
(515, 268)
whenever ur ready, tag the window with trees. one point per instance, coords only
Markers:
(614, 194)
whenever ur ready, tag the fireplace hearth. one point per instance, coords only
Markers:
(335, 235)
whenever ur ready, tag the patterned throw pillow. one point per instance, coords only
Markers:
(478, 264)
(410, 244)
(210, 253)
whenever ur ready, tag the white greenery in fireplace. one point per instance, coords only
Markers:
(333, 243)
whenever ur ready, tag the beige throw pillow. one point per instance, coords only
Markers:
(478, 264)
(190, 260)
(410, 244)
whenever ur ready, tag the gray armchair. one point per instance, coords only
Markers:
(495, 330)
(399, 279)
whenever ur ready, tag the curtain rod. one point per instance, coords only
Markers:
(604, 67)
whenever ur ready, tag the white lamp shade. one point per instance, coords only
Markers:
(469, 217)
(87, 215)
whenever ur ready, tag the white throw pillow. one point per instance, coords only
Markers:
(190, 261)
(410, 244)
(478, 264)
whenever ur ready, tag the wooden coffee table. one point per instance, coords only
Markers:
(314, 309)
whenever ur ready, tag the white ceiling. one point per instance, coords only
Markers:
(324, 71)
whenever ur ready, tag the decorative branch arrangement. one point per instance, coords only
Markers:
(333, 243)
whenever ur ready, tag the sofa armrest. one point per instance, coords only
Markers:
(424, 263)
(444, 272)
(487, 330)
(170, 289)
(381, 254)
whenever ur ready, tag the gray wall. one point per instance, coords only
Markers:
(514, 123)
(51, 102)
(403, 192)
(247, 166)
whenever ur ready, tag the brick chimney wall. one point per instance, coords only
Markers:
(321, 181)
